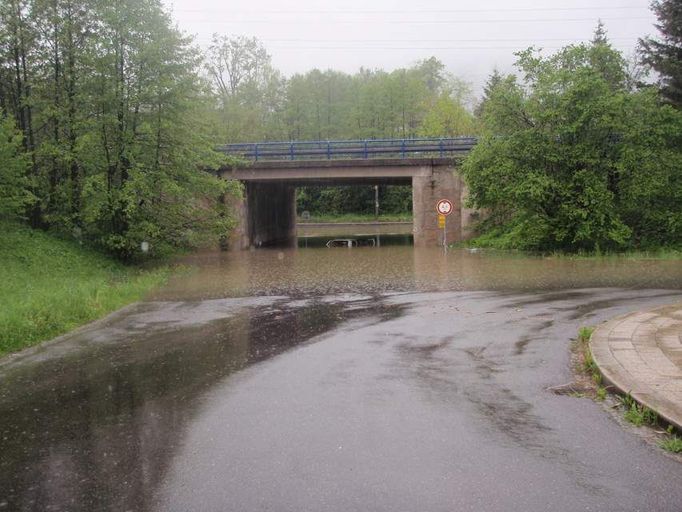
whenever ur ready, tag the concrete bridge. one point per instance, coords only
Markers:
(267, 214)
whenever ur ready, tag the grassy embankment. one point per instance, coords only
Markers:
(50, 286)
(357, 218)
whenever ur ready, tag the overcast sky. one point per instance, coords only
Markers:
(471, 37)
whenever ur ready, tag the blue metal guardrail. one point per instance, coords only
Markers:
(349, 149)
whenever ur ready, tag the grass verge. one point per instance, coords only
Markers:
(672, 443)
(49, 286)
(353, 217)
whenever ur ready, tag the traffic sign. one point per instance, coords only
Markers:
(444, 207)
(441, 220)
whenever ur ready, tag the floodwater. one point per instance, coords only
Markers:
(402, 268)
(381, 379)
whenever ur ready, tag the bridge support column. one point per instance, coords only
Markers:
(443, 183)
(270, 214)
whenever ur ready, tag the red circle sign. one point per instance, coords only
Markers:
(444, 207)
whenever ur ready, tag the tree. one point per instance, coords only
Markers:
(448, 118)
(567, 163)
(112, 114)
(493, 80)
(248, 89)
(14, 193)
(17, 40)
(147, 143)
(665, 55)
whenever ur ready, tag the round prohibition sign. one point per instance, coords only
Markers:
(444, 207)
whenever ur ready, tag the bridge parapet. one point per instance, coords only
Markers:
(351, 149)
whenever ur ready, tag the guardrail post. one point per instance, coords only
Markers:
(441, 148)
(365, 148)
(291, 150)
(255, 151)
(329, 150)
(402, 148)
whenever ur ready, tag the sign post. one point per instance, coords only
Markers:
(444, 208)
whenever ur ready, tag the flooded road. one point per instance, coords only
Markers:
(400, 268)
(365, 379)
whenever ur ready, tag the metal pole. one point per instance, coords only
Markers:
(445, 234)
(376, 202)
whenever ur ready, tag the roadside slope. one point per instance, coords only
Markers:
(49, 286)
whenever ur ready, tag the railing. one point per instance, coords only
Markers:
(350, 149)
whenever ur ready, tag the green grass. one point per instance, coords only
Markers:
(638, 414)
(672, 444)
(358, 217)
(49, 286)
(589, 366)
(585, 333)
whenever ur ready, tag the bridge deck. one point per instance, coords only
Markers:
(351, 149)
(338, 172)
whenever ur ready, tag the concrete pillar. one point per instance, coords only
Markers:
(239, 237)
(271, 214)
(444, 183)
(470, 216)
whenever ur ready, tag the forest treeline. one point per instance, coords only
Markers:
(255, 102)
(110, 116)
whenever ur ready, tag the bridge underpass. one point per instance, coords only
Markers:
(267, 213)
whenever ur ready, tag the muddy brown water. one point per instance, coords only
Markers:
(366, 270)
(387, 378)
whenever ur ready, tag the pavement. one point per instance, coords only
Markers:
(386, 403)
(641, 353)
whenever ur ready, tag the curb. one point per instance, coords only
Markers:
(616, 336)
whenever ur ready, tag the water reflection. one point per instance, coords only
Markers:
(91, 424)
(319, 271)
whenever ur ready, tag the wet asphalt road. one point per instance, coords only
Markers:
(403, 402)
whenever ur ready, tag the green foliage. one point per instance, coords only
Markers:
(448, 118)
(585, 333)
(573, 160)
(342, 200)
(50, 286)
(357, 218)
(588, 363)
(14, 192)
(665, 55)
(637, 414)
(114, 115)
(672, 444)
